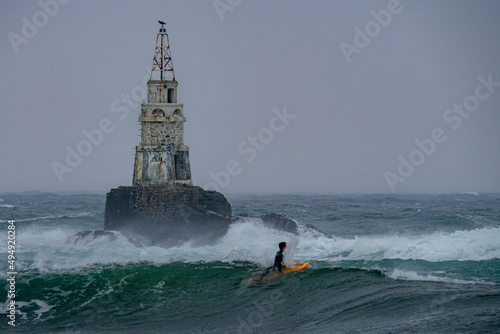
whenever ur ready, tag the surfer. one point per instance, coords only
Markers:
(277, 266)
(278, 259)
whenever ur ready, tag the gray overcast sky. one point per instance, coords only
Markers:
(353, 120)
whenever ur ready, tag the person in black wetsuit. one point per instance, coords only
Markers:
(278, 259)
(278, 262)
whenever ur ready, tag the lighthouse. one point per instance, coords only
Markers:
(162, 158)
(162, 204)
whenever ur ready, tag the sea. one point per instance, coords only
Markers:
(397, 263)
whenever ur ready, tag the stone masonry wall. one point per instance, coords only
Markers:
(162, 134)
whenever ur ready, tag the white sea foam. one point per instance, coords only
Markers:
(474, 245)
(7, 206)
(472, 193)
(81, 214)
(47, 250)
(41, 306)
(77, 215)
(414, 276)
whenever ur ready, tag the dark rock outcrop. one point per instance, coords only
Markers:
(168, 215)
(171, 215)
(273, 220)
(280, 222)
(283, 223)
(317, 231)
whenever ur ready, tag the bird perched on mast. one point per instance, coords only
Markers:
(161, 22)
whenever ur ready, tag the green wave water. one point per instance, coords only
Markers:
(400, 264)
(214, 297)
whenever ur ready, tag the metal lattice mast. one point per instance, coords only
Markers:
(162, 61)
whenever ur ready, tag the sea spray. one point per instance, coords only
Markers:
(386, 263)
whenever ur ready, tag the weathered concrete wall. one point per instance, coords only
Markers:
(162, 157)
(162, 124)
(158, 91)
(162, 134)
(168, 215)
(162, 165)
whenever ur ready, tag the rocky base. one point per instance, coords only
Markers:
(171, 215)
(168, 215)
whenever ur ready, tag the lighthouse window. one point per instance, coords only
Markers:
(170, 97)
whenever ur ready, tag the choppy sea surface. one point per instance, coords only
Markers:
(386, 264)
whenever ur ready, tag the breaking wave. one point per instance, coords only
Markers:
(52, 249)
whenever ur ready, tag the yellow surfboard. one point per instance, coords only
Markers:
(298, 266)
(276, 273)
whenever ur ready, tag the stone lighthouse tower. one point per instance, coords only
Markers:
(162, 157)
(162, 204)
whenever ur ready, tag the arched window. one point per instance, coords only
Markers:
(158, 113)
